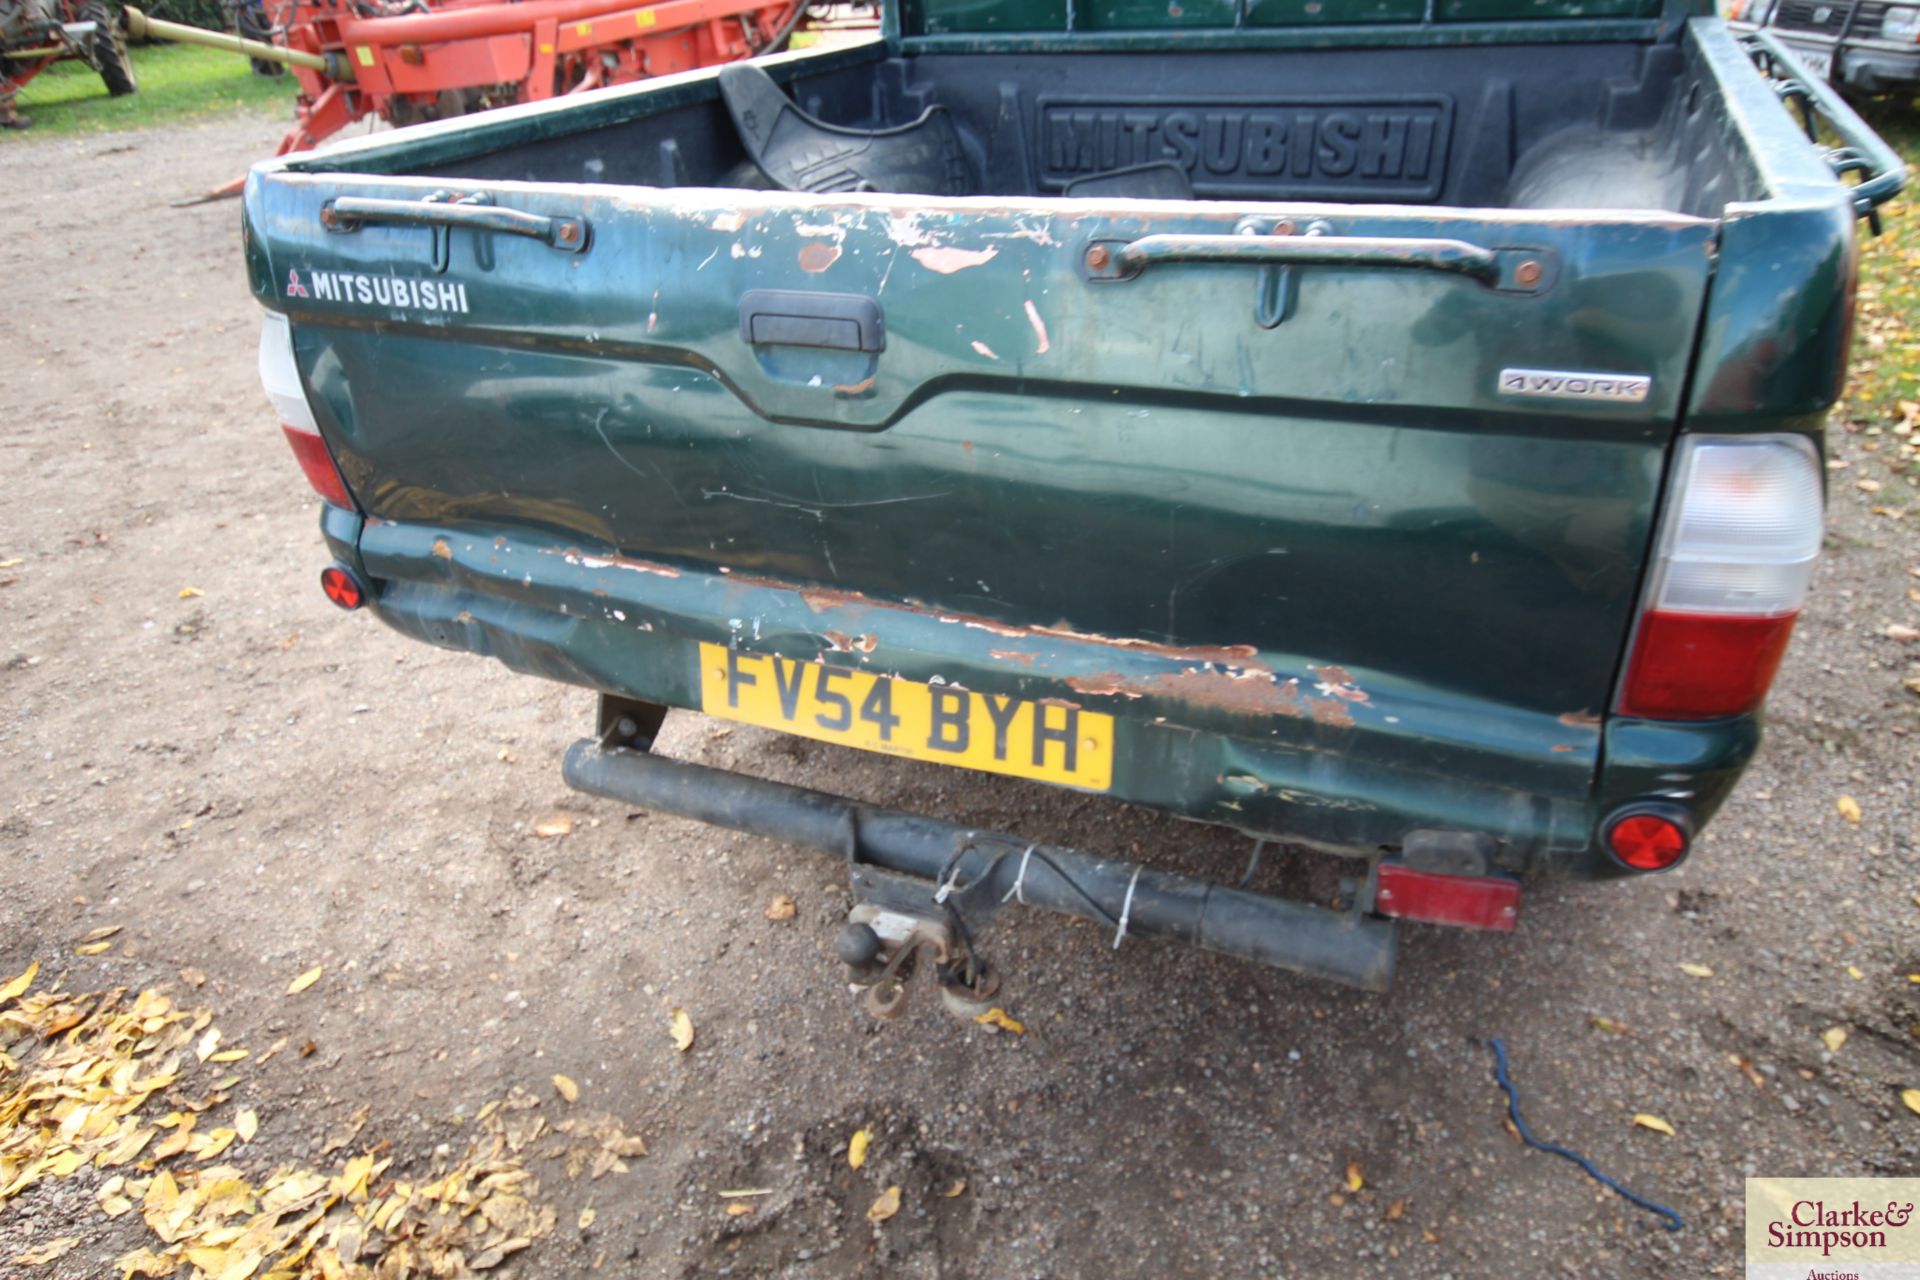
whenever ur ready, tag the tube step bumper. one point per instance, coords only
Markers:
(981, 871)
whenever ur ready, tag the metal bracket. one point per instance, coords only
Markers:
(628, 722)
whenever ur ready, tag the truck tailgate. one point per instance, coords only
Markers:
(1390, 524)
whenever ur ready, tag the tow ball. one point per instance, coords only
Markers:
(882, 948)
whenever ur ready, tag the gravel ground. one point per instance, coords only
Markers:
(252, 783)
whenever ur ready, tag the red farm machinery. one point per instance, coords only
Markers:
(35, 34)
(413, 60)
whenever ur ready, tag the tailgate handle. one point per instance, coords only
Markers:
(794, 318)
(1277, 245)
(475, 212)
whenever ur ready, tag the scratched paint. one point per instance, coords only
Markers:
(1041, 342)
(946, 259)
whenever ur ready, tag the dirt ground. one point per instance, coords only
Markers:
(253, 783)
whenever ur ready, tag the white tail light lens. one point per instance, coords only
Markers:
(1734, 557)
(280, 377)
(1746, 530)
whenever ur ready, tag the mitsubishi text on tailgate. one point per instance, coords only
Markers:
(1384, 428)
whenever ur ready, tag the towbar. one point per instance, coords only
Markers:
(986, 867)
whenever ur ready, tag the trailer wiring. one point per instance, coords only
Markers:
(1673, 1220)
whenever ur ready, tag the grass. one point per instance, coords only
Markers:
(1882, 404)
(177, 83)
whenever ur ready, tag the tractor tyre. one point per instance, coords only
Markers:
(110, 48)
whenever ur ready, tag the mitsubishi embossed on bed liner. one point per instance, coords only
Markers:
(1268, 147)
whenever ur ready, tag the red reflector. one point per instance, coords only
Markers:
(341, 588)
(311, 450)
(1700, 666)
(1475, 902)
(1647, 841)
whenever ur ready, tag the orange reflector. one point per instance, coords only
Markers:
(341, 587)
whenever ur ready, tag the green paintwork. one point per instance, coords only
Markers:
(1295, 13)
(946, 17)
(1333, 587)
(1543, 10)
(1136, 15)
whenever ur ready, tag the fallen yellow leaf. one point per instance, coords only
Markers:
(1912, 1098)
(587, 1215)
(682, 1030)
(209, 1043)
(17, 987)
(559, 824)
(1654, 1123)
(566, 1088)
(997, 1017)
(189, 593)
(305, 980)
(1354, 1179)
(1853, 971)
(1849, 808)
(1696, 970)
(781, 908)
(1833, 1038)
(739, 1208)
(886, 1206)
(956, 1190)
(246, 1124)
(857, 1147)
(104, 931)
(92, 948)
(47, 1252)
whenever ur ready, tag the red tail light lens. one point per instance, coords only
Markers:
(280, 376)
(1648, 840)
(1736, 551)
(342, 587)
(1701, 666)
(311, 452)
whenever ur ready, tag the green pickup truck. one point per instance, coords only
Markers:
(1391, 429)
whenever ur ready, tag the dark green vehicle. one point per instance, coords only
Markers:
(1391, 428)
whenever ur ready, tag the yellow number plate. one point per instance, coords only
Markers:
(992, 732)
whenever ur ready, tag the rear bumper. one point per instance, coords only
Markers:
(1346, 762)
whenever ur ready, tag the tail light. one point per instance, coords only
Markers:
(280, 375)
(1735, 553)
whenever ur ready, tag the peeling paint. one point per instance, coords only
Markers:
(1335, 682)
(839, 641)
(1238, 692)
(441, 549)
(859, 388)
(946, 259)
(984, 350)
(1044, 344)
(818, 257)
(1581, 719)
(727, 222)
(574, 556)
(1020, 656)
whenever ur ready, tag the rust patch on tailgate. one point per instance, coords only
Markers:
(1248, 692)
